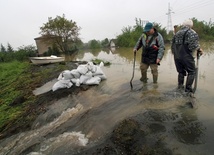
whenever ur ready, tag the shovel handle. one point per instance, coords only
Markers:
(133, 70)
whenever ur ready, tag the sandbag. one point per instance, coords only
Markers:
(84, 78)
(102, 77)
(76, 82)
(62, 84)
(60, 77)
(90, 66)
(99, 73)
(75, 73)
(82, 69)
(93, 81)
(67, 75)
(88, 74)
(101, 64)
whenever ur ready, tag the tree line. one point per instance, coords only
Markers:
(130, 35)
(66, 38)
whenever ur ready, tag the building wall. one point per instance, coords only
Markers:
(42, 45)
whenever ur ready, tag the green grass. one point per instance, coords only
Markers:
(9, 80)
(9, 89)
(18, 80)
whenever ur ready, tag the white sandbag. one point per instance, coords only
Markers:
(74, 80)
(78, 82)
(82, 69)
(67, 75)
(99, 73)
(62, 84)
(101, 64)
(90, 66)
(93, 81)
(102, 77)
(60, 77)
(84, 78)
(75, 73)
(93, 69)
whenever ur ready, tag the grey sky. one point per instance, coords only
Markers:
(99, 19)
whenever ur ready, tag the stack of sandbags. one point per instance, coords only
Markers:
(88, 74)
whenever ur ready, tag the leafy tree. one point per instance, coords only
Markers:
(24, 52)
(3, 49)
(52, 51)
(163, 32)
(137, 29)
(9, 48)
(130, 35)
(125, 38)
(64, 33)
(105, 42)
(93, 44)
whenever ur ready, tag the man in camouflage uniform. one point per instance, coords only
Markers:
(153, 48)
(184, 44)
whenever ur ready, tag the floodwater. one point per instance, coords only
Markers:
(78, 122)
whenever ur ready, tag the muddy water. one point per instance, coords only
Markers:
(84, 120)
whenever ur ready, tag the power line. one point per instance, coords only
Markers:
(180, 7)
(193, 6)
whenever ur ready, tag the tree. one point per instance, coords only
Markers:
(3, 49)
(105, 43)
(63, 33)
(28, 48)
(163, 32)
(94, 44)
(9, 48)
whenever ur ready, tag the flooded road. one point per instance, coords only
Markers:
(76, 123)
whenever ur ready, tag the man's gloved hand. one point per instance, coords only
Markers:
(158, 61)
(200, 51)
(134, 50)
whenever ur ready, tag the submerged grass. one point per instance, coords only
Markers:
(98, 61)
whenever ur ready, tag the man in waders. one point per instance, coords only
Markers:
(185, 43)
(152, 44)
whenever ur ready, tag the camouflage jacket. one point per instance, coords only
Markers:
(191, 39)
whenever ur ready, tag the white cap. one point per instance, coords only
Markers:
(188, 23)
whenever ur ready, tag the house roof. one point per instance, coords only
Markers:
(45, 37)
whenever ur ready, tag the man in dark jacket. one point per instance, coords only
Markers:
(184, 44)
(152, 44)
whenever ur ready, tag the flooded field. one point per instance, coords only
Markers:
(75, 124)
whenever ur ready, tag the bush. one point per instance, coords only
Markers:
(22, 54)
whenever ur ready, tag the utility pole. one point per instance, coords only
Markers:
(169, 23)
(143, 22)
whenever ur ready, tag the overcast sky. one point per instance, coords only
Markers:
(99, 19)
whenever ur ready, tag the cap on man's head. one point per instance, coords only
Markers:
(148, 27)
(188, 23)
